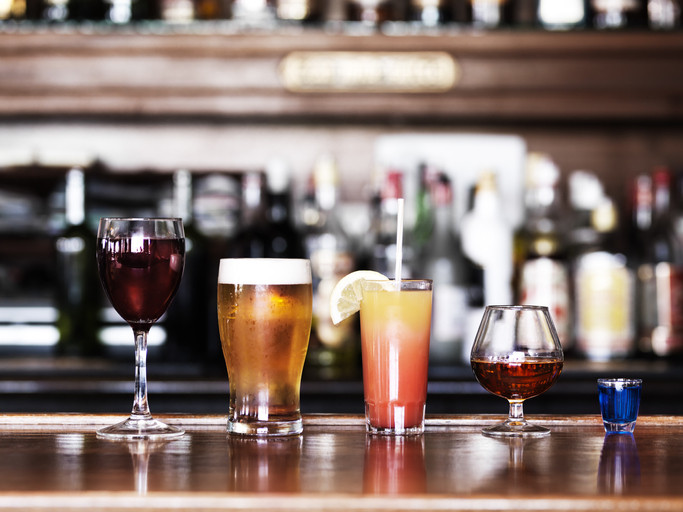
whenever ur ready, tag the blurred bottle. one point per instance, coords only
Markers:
(371, 13)
(489, 14)
(604, 291)
(252, 239)
(664, 14)
(78, 287)
(443, 262)
(176, 11)
(430, 13)
(87, 10)
(542, 273)
(120, 12)
(298, 10)
(383, 258)
(641, 226)
(190, 314)
(487, 243)
(212, 9)
(424, 209)
(561, 14)
(619, 14)
(15, 10)
(663, 267)
(333, 350)
(284, 240)
(55, 11)
(487, 240)
(254, 11)
(586, 193)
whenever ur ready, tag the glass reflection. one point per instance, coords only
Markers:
(265, 465)
(394, 465)
(619, 468)
(140, 451)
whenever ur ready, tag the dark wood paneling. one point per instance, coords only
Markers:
(544, 77)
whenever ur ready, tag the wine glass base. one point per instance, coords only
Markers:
(139, 429)
(515, 429)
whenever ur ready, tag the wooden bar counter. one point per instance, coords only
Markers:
(55, 462)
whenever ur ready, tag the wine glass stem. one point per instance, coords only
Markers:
(140, 404)
(516, 411)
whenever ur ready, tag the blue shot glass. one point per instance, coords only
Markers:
(619, 403)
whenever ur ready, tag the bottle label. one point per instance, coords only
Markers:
(545, 282)
(604, 308)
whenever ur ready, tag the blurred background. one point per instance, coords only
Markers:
(538, 145)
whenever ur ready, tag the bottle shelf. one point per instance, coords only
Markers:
(232, 74)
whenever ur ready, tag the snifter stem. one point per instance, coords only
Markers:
(399, 244)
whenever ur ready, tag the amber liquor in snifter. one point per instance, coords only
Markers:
(516, 380)
(264, 319)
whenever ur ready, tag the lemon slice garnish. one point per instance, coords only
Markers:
(348, 293)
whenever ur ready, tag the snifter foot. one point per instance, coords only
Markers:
(515, 429)
(140, 428)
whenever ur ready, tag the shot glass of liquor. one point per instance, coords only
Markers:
(395, 322)
(264, 320)
(619, 403)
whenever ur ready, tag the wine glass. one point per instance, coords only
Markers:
(516, 355)
(140, 262)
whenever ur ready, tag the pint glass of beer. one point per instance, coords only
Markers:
(264, 319)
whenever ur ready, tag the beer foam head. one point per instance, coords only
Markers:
(264, 271)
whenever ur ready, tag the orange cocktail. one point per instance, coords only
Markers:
(395, 326)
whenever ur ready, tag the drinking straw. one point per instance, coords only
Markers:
(399, 244)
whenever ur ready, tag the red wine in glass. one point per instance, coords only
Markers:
(140, 263)
(140, 283)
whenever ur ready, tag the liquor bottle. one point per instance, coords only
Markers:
(561, 14)
(15, 10)
(176, 11)
(78, 289)
(444, 263)
(251, 240)
(429, 13)
(284, 240)
(333, 350)
(664, 257)
(619, 14)
(212, 9)
(489, 14)
(474, 284)
(641, 226)
(120, 12)
(542, 273)
(664, 14)
(298, 10)
(488, 241)
(424, 209)
(189, 315)
(55, 11)
(604, 291)
(383, 258)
